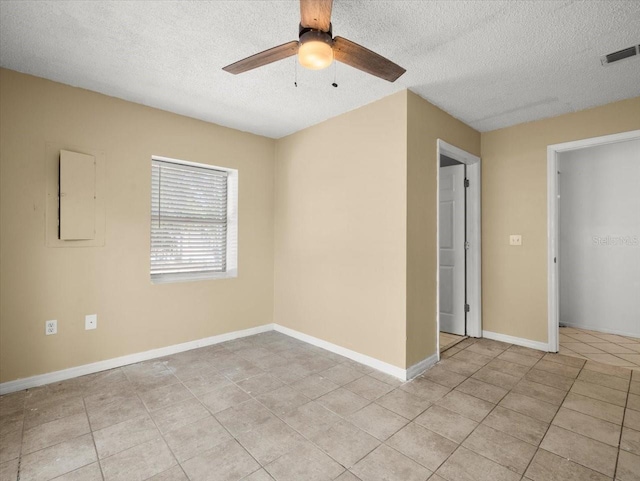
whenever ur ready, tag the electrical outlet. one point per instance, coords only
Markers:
(515, 240)
(90, 321)
(51, 327)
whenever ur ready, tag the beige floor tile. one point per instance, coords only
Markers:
(497, 378)
(224, 398)
(386, 378)
(568, 360)
(120, 409)
(469, 406)
(311, 419)
(585, 451)
(206, 382)
(539, 391)
(425, 389)
(54, 432)
(260, 475)
(283, 400)
(377, 421)
(522, 359)
(139, 462)
(10, 444)
(634, 388)
(53, 410)
(244, 417)
(90, 472)
(165, 396)
(632, 419)
(517, 425)
(118, 437)
(616, 371)
(482, 390)
(507, 367)
(612, 348)
(345, 443)
(531, 407)
(342, 401)
(501, 448)
(628, 467)
(190, 440)
(260, 384)
(459, 367)
(179, 414)
(557, 368)
(606, 380)
(403, 403)
(9, 470)
(548, 379)
(465, 465)
(525, 351)
(581, 347)
(593, 407)
(611, 359)
(584, 338)
(304, 462)
(633, 402)
(485, 350)
(270, 440)
(386, 464)
(368, 387)
(172, 474)
(600, 393)
(57, 460)
(630, 441)
(314, 386)
(444, 377)
(472, 357)
(225, 462)
(591, 427)
(341, 374)
(446, 423)
(449, 352)
(547, 466)
(423, 446)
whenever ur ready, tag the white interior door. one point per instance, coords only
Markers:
(452, 265)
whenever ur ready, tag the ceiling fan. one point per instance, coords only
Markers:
(317, 48)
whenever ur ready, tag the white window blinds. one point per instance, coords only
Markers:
(189, 207)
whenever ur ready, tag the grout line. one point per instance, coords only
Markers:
(93, 439)
(624, 413)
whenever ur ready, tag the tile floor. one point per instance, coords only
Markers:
(447, 340)
(269, 407)
(598, 346)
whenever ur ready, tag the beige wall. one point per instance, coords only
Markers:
(426, 124)
(514, 201)
(340, 226)
(39, 283)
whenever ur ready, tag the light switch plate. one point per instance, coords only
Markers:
(90, 322)
(515, 240)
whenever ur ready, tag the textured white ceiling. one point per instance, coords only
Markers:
(489, 63)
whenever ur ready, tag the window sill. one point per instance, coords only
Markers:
(190, 277)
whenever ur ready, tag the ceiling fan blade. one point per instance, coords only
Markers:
(316, 14)
(263, 58)
(364, 59)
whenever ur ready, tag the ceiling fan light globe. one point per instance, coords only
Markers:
(315, 51)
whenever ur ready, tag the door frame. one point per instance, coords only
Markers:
(473, 226)
(553, 285)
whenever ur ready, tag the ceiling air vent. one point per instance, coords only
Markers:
(620, 55)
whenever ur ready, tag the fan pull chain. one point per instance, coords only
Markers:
(295, 74)
(335, 73)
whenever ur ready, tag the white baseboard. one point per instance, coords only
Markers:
(518, 341)
(57, 376)
(422, 366)
(348, 353)
(604, 330)
(64, 374)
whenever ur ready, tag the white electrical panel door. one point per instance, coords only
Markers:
(77, 196)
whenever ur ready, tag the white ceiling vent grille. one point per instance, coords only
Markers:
(620, 55)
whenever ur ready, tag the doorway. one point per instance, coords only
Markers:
(459, 311)
(590, 242)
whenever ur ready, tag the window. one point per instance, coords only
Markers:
(193, 221)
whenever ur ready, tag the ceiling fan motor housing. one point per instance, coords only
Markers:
(306, 34)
